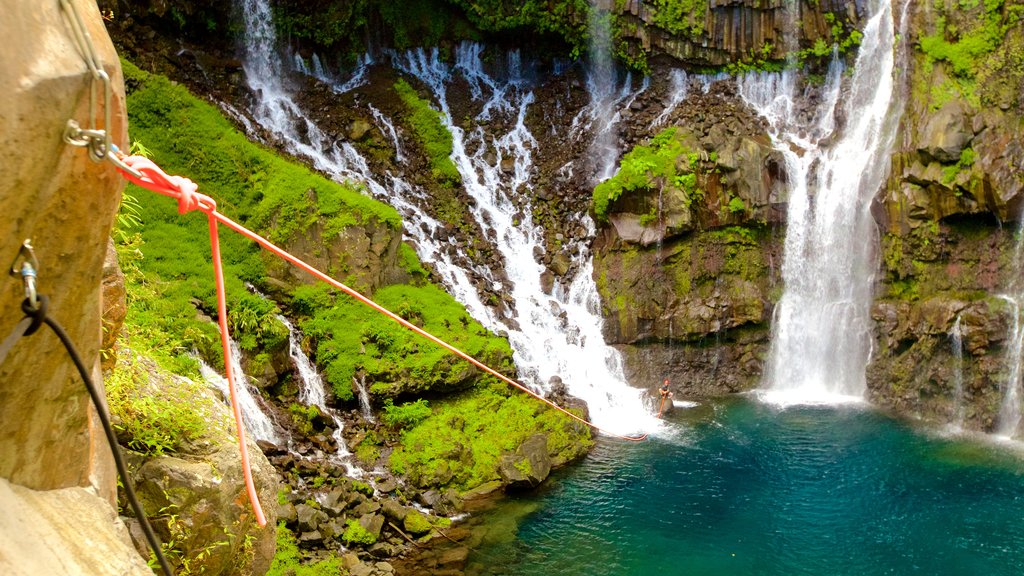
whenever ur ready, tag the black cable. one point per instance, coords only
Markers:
(37, 316)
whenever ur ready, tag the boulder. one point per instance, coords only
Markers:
(945, 133)
(372, 523)
(197, 497)
(53, 194)
(530, 464)
(65, 531)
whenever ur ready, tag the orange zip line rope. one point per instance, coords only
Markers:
(143, 172)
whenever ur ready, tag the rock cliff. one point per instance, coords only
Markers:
(56, 469)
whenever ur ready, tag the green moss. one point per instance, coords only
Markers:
(288, 560)
(428, 126)
(950, 173)
(351, 338)
(168, 256)
(356, 534)
(664, 161)
(406, 415)
(460, 443)
(416, 523)
(972, 39)
(149, 419)
(303, 417)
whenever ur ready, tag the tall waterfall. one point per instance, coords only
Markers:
(956, 342)
(557, 334)
(821, 340)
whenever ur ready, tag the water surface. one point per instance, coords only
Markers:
(744, 488)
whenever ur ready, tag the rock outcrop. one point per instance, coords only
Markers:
(197, 498)
(948, 213)
(717, 32)
(57, 474)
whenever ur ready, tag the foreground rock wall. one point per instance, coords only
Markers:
(56, 474)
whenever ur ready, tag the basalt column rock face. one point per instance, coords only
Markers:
(56, 467)
(717, 32)
(949, 217)
(687, 262)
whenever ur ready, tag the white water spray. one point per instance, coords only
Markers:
(254, 418)
(678, 91)
(821, 339)
(1009, 411)
(552, 335)
(557, 334)
(956, 342)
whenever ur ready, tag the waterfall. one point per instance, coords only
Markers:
(1008, 422)
(821, 333)
(557, 334)
(677, 93)
(956, 342)
(365, 408)
(312, 390)
(254, 418)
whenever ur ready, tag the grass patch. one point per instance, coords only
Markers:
(351, 339)
(428, 126)
(460, 443)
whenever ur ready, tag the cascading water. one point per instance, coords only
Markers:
(557, 334)
(364, 398)
(821, 339)
(551, 335)
(254, 418)
(677, 93)
(956, 342)
(1009, 411)
(312, 391)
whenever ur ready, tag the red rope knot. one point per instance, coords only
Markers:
(181, 189)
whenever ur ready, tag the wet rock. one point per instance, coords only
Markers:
(394, 511)
(945, 134)
(358, 129)
(372, 523)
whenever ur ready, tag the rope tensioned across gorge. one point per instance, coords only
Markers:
(147, 174)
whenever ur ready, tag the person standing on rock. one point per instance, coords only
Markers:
(666, 398)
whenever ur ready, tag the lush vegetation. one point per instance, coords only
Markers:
(150, 418)
(460, 444)
(431, 133)
(353, 341)
(981, 43)
(169, 253)
(664, 162)
(683, 17)
(566, 19)
(288, 559)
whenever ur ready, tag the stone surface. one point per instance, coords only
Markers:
(52, 193)
(198, 498)
(530, 464)
(114, 306)
(69, 531)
